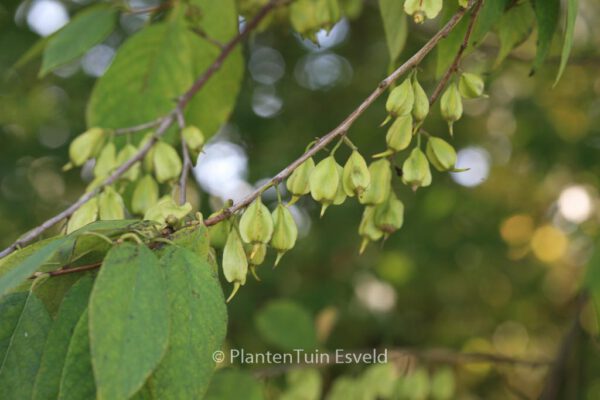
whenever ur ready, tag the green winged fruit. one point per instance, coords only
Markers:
(401, 99)
(470, 86)
(298, 183)
(355, 175)
(389, 215)
(381, 181)
(415, 170)
(441, 154)
(235, 263)
(451, 106)
(145, 195)
(368, 231)
(324, 182)
(256, 224)
(166, 162)
(86, 146)
(285, 231)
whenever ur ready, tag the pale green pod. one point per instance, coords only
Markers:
(165, 207)
(194, 138)
(285, 231)
(470, 86)
(256, 224)
(441, 154)
(389, 215)
(106, 161)
(401, 99)
(126, 153)
(235, 263)
(110, 205)
(421, 9)
(145, 195)
(86, 214)
(451, 105)
(380, 186)
(355, 175)
(86, 145)
(367, 229)
(324, 181)
(421, 105)
(415, 170)
(166, 162)
(298, 183)
(399, 134)
(218, 233)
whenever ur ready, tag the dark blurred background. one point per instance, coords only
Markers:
(487, 260)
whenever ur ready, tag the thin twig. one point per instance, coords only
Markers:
(343, 128)
(65, 271)
(163, 124)
(138, 128)
(187, 162)
(455, 63)
(147, 10)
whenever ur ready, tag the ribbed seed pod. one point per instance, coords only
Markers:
(367, 229)
(298, 182)
(389, 215)
(415, 170)
(256, 256)
(423, 9)
(86, 146)
(125, 154)
(355, 175)
(470, 86)
(86, 214)
(401, 99)
(324, 182)
(148, 161)
(166, 207)
(381, 181)
(166, 162)
(110, 205)
(441, 154)
(256, 224)
(235, 263)
(399, 134)
(421, 106)
(285, 231)
(451, 106)
(145, 195)
(218, 233)
(106, 161)
(194, 139)
(340, 195)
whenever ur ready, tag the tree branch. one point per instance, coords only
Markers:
(456, 62)
(187, 162)
(163, 124)
(343, 128)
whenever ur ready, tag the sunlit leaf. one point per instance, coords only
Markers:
(572, 9)
(514, 27)
(234, 384)
(546, 15)
(286, 325)
(395, 25)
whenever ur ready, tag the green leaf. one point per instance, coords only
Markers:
(572, 9)
(77, 379)
(129, 320)
(32, 52)
(489, 15)
(199, 324)
(87, 29)
(395, 25)
(71, 309)
(303, 384)
(26, 337)
(514, 27)
(52, 290)
(592, 280)
(234, 384)
(449, 46)
(19, 266)
(11, 307)
(160, 62)
(195, 239)
(546, 15)
(286, 325)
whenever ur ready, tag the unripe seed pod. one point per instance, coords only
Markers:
(86, 145)
(145, 195)
(340, 195)
(148, 161)
(399, 134)
(298, 182)
(470, 86)
(451, 105)
(164, 207)
(441, 154)
(194, 139)
(256, 255)
(401, 99)
(367, 228)
(389, 215)
(421, 105)
(421, 9)
(324, 181)
(415, 170)
(355, 175)
(110, 205)
(285, 231)
(235, 263)
(125, 154)
(256, 224)
(381, 181)
(86, 214)
(218, 233)
(106, 161)
(166, 162)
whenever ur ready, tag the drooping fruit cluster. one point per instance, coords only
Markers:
(137, 191)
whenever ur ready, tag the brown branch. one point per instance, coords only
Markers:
(187, 162)
(343, 128)
(456, 62)
(65, 271)
(163, 124)
(138, 128)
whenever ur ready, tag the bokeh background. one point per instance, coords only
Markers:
(488, 260)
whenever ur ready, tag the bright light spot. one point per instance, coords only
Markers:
(575, 204)
(477, 160)
(47, 16)
(375, 295)
(266, 65)
(221, 170)
(517, 230)
(265, 102)
(548, 243)
(327, 40)
(322, 71)
(97, 60)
